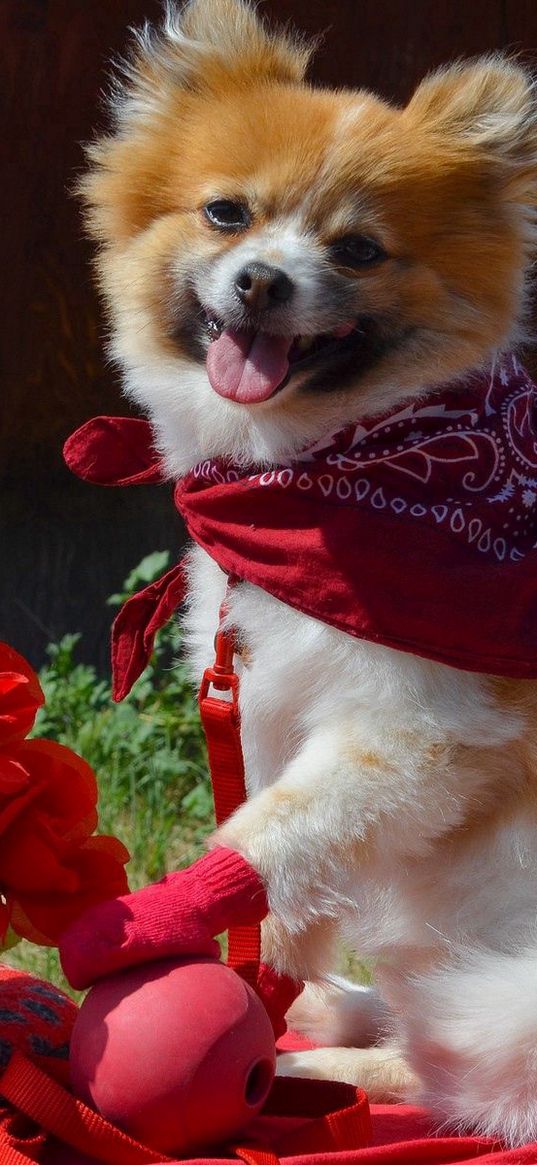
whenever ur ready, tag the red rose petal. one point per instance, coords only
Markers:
(21, 696)
(51, 868)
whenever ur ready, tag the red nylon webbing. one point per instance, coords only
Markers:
(332, 1132)
(10, 1155)
(348, 1128)
(46, 1103)
(221, 724)
(244, 952)
(42, 1099)
(342, 1119)
(254, 1156)
(20, 1142)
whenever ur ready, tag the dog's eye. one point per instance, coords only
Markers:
(356, 251)
(227, 215)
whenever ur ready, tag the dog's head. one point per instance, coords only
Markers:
(280, 259)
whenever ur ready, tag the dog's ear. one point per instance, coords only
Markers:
(488, 104)
(204, 45)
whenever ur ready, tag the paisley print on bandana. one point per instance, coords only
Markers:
(416, 530)
(466, 461)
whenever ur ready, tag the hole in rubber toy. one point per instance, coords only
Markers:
(258, 1082)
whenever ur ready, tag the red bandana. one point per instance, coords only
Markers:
(417, 530)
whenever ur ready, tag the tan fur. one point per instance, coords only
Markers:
(383, 1072)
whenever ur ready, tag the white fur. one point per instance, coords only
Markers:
(445, 934)
(339, 1013)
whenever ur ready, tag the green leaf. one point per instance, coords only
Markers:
(150, 568)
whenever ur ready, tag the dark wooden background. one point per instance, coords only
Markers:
(65, 546)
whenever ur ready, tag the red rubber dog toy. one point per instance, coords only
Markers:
(179, 1054)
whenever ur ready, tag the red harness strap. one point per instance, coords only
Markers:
(55, 1112)
(20, 1140)
(221, 723)
(46, 1103)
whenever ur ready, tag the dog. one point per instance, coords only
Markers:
(280, 262)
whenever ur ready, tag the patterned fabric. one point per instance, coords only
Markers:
(465, 462)
(37, 1019)
(417, 529)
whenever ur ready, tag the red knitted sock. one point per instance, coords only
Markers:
(178, 916)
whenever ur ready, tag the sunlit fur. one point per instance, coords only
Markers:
(391, 798)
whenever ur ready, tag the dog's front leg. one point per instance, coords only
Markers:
(346, 801)
(303, 835)
(343, 802)
(297, 834)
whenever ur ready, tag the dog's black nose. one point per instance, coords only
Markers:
(260, 286)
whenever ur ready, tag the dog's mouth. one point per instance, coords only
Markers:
(252, 366)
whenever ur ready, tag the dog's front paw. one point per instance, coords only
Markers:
(275, 834)
(339, 1014)
(382, 1071)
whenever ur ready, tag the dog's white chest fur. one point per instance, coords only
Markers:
(374, 812)
(359, 726)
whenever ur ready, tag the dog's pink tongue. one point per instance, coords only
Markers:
(248, 366)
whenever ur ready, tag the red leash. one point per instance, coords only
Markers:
(221, 723)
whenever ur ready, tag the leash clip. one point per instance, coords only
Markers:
(222, 675)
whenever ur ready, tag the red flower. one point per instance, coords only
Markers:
(51, 868)
(20, 696)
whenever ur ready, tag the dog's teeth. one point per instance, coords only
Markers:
(213, 329)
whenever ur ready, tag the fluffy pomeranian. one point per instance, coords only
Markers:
(279, 262)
